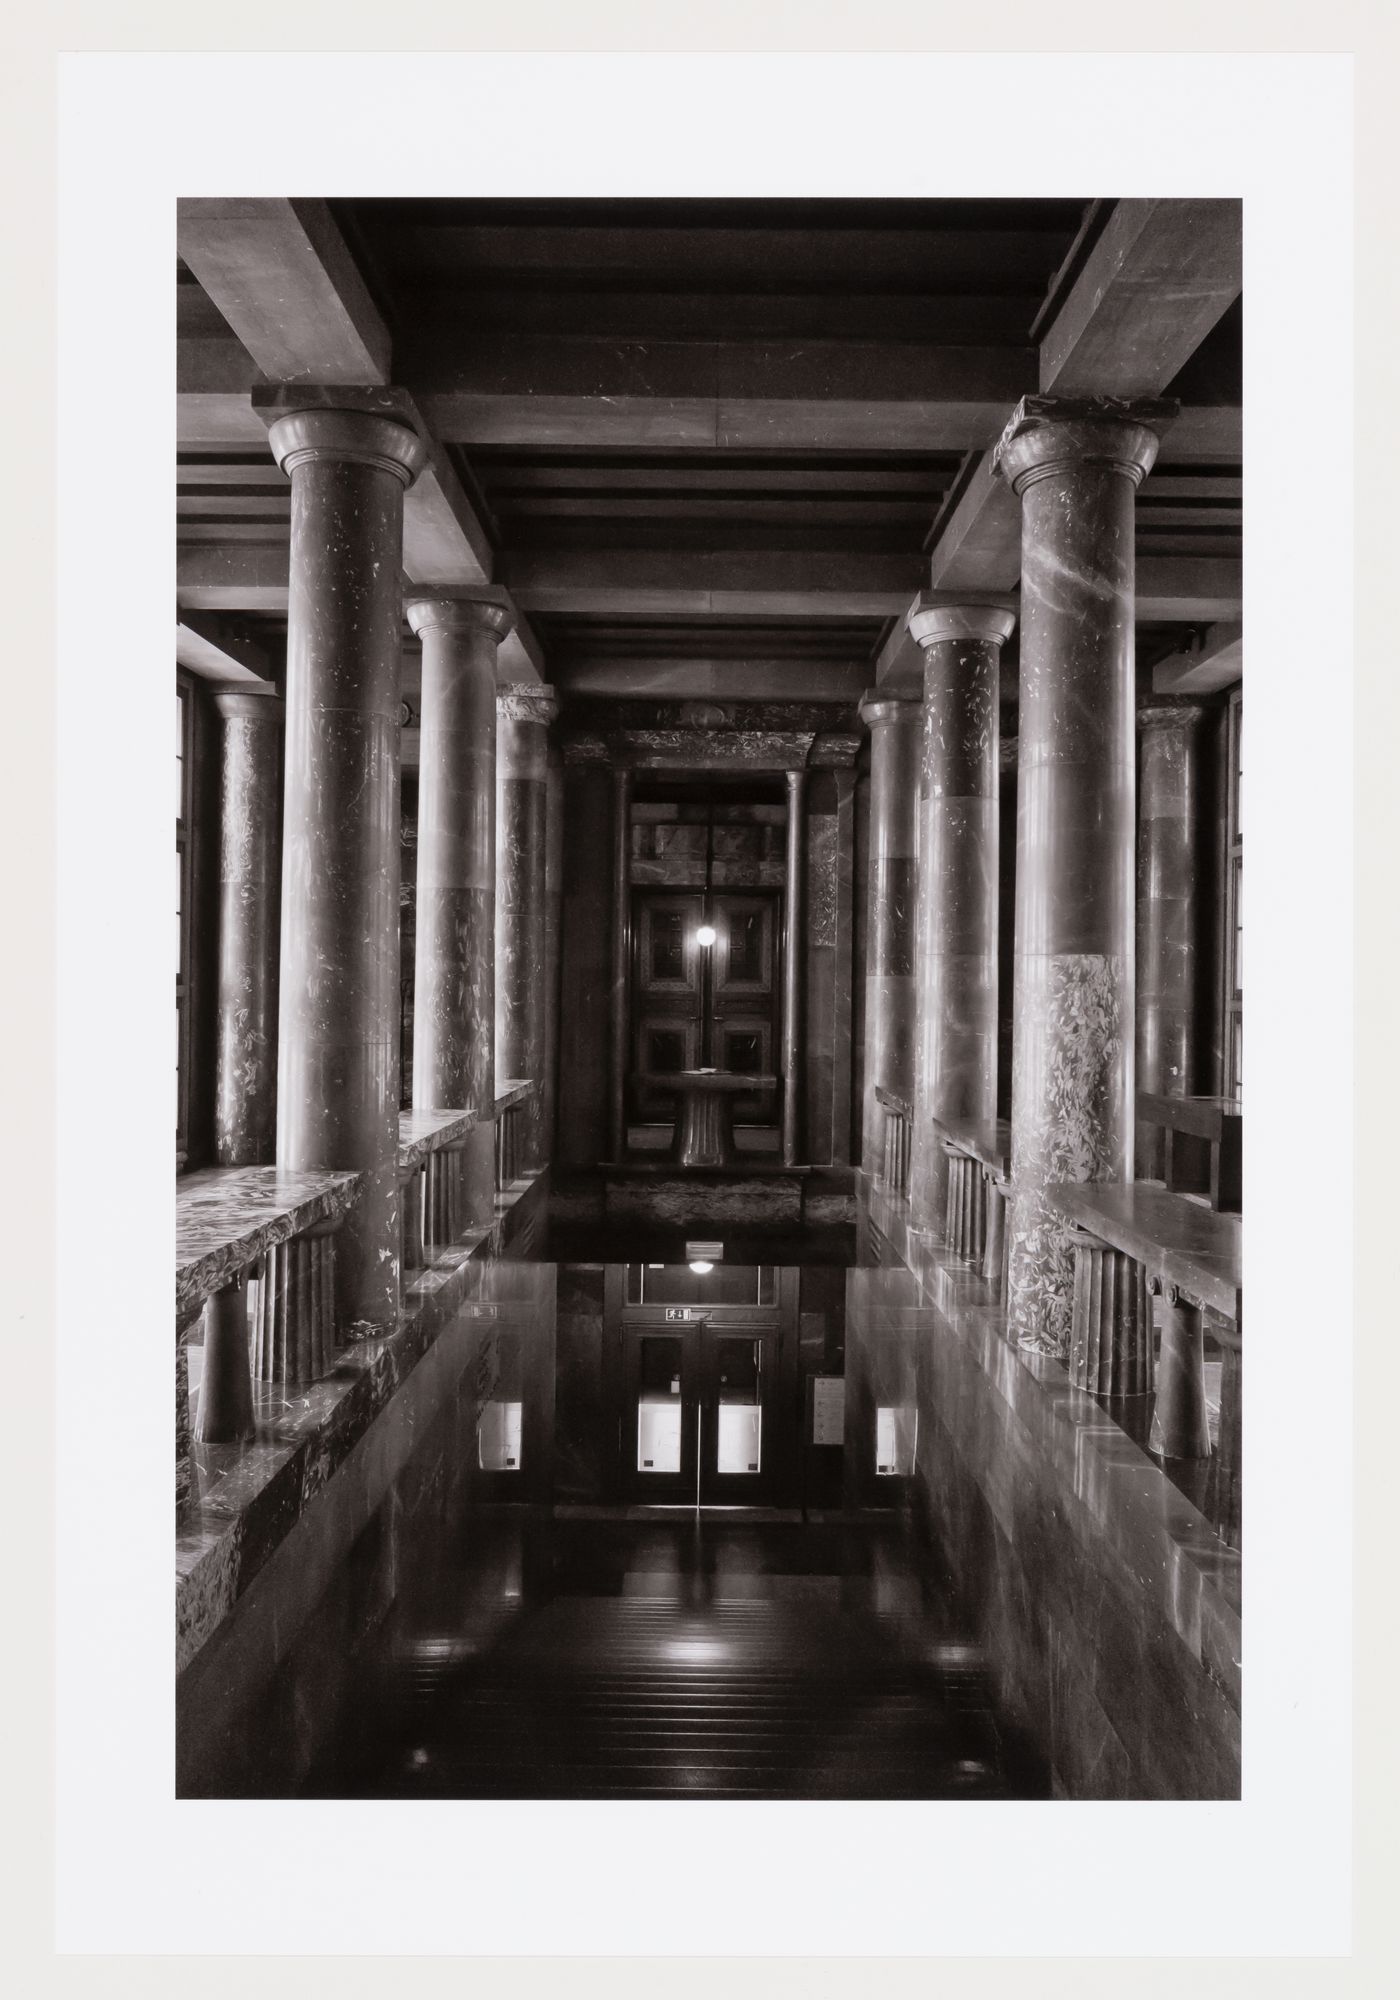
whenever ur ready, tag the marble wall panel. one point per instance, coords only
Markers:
(1109, 1608)
(267, 1689)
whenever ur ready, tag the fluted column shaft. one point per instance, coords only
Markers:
(250, 888)
(1167, 906)
(895, 749)
(338, 1020)
(793, 952)
(1076, 468)
(955, 1050)
(523, 716)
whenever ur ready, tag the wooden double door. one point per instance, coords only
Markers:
(700, 1006)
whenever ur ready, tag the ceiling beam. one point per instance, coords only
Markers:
(585, 369)
(1157, 280)
(244, 576)
(719, 679)
(1217, 662)
(283, 277)
(1188, 590)
(204, 645)
(712, 583)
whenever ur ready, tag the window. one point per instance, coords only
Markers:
(1234, 924)
(184, 726)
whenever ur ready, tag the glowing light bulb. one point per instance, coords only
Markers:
(705, 935)
(701, 1268)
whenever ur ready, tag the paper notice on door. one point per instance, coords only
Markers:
(828, 1409)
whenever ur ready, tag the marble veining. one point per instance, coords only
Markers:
(250, 1495)
(226, 1217)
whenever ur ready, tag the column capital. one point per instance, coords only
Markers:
(1047, 433)
(795, 781)
(236, 703)
(527, 701)
(961, 614)
(356, 437)
(1158, 713)
(878, 708)
(458, 610)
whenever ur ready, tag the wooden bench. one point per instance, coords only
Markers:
(1164, 1245)
(1213, 1121)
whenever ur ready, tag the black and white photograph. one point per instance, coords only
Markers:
(708, 741)
(710, 1203)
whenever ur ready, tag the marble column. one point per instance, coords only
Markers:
(1167, 956)
(955, 1046)
(553, 945)
(793, 940)
(620, 999)
(454, 1008)
(524, 712)
(1076, 467)
(338, 1021)
(250, 863)
(895, 748)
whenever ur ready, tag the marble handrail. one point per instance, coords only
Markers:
(515, 1090)
(1179, 1241)
(988, 1144)
(425, 1132)
(227, 1218)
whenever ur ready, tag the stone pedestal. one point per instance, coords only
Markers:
(1111, 1346)
(454, 1047)
(895, 751)
(338, 1032)
(1180, 1427)
(1167, 954)
(523, 716)
(793, 951)
(955, 1051)
(226, 1385)
(250, 861)
(1076, 468)
(994, 1249)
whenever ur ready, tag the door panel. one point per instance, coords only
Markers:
(745, 997)
(667, 996)
(659, 1421)
(694, 1006)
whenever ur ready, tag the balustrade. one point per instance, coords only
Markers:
(276, 1228)
(893, 1167)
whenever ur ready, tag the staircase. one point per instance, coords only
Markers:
(633, 1697)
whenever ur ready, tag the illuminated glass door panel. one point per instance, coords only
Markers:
(738, 1378)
